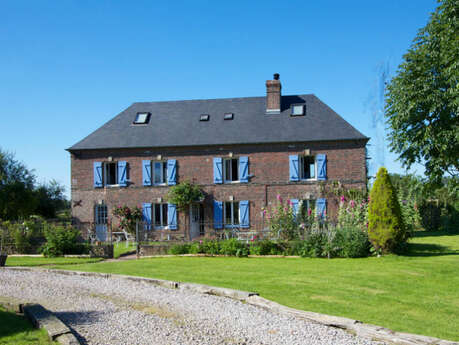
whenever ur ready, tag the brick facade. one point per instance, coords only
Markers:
(268, 167)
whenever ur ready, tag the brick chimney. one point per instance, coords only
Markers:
(273, 95)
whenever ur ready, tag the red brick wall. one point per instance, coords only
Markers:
(269, 165)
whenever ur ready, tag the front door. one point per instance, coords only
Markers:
(100, 213)
(195, 220)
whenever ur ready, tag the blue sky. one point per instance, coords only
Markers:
(67, 67)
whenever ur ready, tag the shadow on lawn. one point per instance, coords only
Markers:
(11, 324)
(428, 249)
(434, 233)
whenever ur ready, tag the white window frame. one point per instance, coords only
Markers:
(163, 217)
(163, 173)
(105, 177)
(301, 168)
(233, 224)
(225, 178)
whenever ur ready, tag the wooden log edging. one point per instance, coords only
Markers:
(41, 317)
(350, 325)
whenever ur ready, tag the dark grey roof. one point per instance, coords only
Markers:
(176, 123)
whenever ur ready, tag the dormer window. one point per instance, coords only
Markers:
(204, 117)
(228, 116)
(297, 109)
(142, 118)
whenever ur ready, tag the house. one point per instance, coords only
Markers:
(243, 152)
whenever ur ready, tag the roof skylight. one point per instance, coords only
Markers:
(297, 109)
(204, 117)
(228, 116)
(142, 118)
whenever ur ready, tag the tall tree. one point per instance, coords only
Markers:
(422, 100)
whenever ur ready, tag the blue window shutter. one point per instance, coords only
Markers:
(218, 214)
(218, 176)
(171, 172)
(321, 208)
(146, 173)
(294, 168)
(244, 215)
(321, 160)
(294, 207)
(172, 216)
(146, 215)
(244, 169)
(122, 173)
(98, 175)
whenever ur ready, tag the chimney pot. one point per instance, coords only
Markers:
(276, 76)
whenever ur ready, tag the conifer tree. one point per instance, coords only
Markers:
(386, 229)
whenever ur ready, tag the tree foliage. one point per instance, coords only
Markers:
(422, 100)
(386, 229)
(184, 194)
(21, 197)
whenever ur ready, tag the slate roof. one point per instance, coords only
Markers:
(176, 123)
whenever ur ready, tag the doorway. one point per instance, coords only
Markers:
(196, 221)
(100, 215)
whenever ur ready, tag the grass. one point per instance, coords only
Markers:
(417, 292)
(17, 330)
(42, 261)
(120, 248)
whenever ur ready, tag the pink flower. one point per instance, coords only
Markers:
(200, 242)
(289, 202)
(279, 197)
(352, 203)
(342, 199)
(286, 209)
(309, 211)
(264, 212)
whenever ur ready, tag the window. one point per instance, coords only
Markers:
(297, 109)
(231, 171)
(160, 215)
(142, 118)
(111, 174)
(228, 116)
(204, 117)
(159, 173)
(307, 166)
(308, 207)
(231, 213)
(100, 214)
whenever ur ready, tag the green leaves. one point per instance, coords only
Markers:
(422, 100)
(184, 194)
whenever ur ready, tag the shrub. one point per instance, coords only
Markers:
(315, 245)
(177, 249)
(264, 247)
(128, 217)
(210, 247)
(233, 247)
(351, 242)
(386, 229)
(63, 240)
(282, 221)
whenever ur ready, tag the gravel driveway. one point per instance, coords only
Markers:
(116, 311)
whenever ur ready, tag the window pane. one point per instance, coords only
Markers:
(236, 212)
(157, 211)
(228, 213)
(141, 118)
(157, 173)
(297, 110)
(164, 179)
(234, 170)
(312, 170)
(164, 214)
(227, 170)
(111, 173)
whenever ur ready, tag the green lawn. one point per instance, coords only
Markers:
(42, 261)
(416, 293)
(16, 330)
(120, 248)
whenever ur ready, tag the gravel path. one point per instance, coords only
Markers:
(115, 311)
